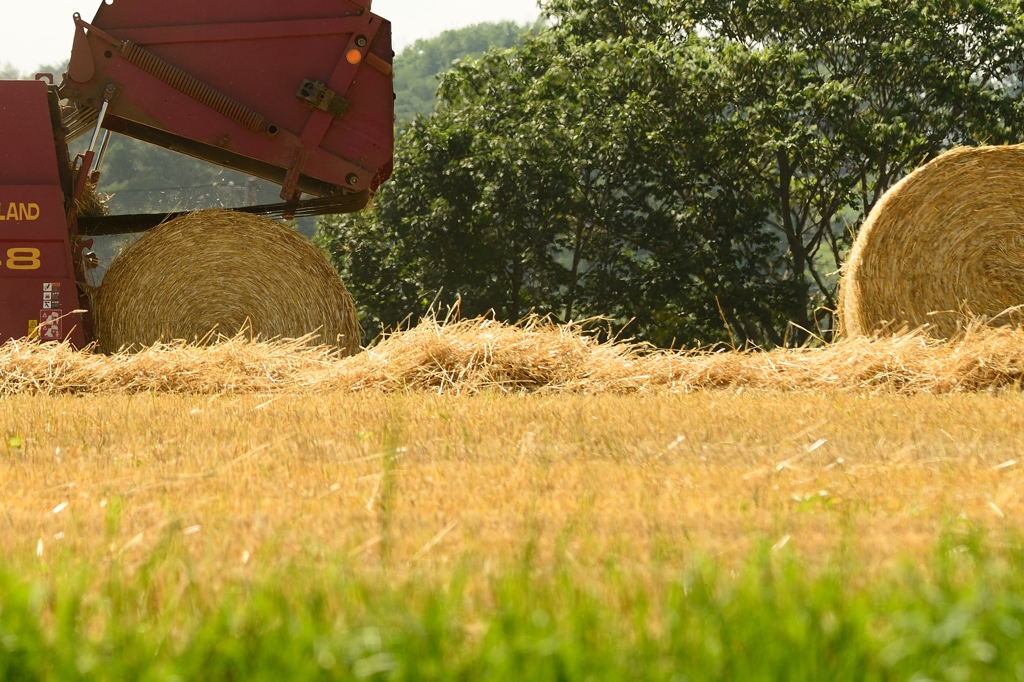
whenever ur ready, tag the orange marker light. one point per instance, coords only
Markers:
(354, 56)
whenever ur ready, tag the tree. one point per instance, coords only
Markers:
(852, 96)
(679, 163)
(419, 66)
(592, 20)
(450, 222)
(827, 103)
(542, 184)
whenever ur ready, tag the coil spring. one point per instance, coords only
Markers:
(191, 86)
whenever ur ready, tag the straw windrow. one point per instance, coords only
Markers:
(537, 356)
(213, 274)
(942, 248)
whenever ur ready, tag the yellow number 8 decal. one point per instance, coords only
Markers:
(22, 259)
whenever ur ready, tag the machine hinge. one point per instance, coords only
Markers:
(316, 95)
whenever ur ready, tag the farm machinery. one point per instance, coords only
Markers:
(298, 93)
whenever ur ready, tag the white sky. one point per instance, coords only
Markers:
(40, 31)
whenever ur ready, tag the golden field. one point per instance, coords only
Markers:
(470, 445)
(643, 483)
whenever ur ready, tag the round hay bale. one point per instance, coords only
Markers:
(942, 248)
(222, 272)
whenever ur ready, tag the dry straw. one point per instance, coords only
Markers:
(214, 274)
(482, 355)
(943, 248)
(92, 204)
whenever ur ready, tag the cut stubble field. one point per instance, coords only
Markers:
(415, 482)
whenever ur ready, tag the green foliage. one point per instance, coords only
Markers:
(419, 66)
(8, 72)
(549, 181)
(592, 20)
(770, 620)
(678, 163)
(833, 102)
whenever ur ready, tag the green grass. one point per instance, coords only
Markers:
(960, 618)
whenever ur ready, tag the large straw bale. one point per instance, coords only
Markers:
(943, 248)
(213, 274)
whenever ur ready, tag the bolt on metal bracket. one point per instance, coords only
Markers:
(316, 95)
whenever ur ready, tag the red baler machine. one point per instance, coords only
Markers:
(298, 93)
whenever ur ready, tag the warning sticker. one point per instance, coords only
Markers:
(49, 325)
(51, 295)
(33, 328)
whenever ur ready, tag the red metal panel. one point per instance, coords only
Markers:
(257, 53)
(28, 209)
(255, 30)
(30, 258)
(36, 270)
(145, 13)
(24, 124)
